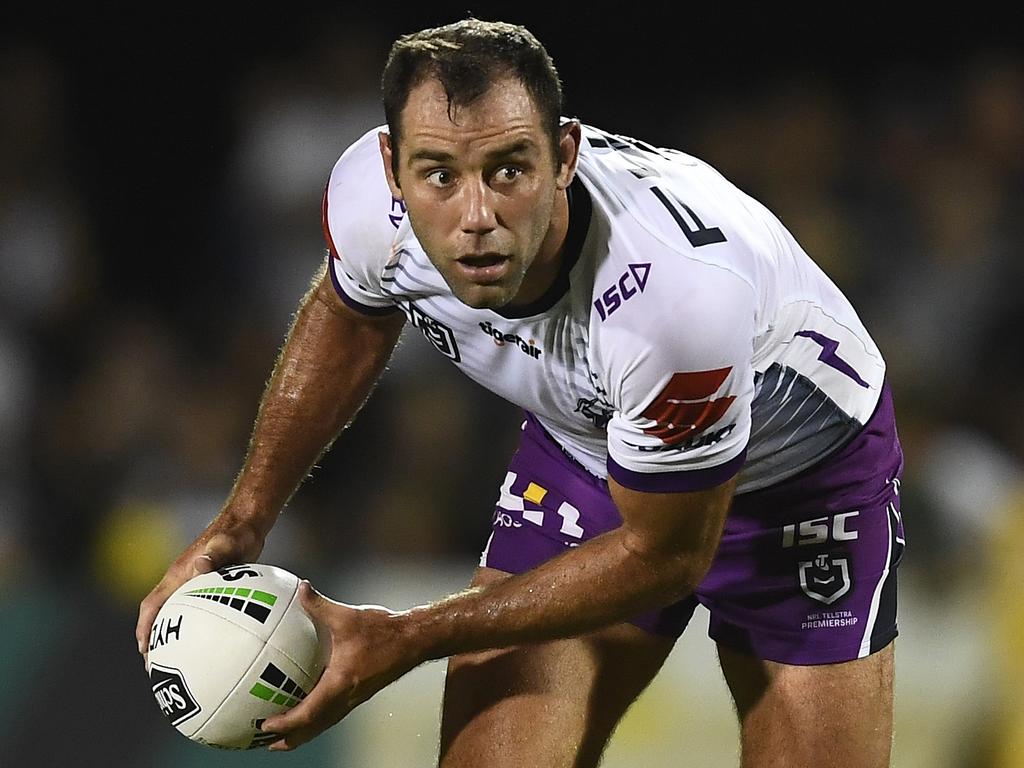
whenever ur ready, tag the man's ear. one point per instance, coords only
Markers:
(570, 137)
(386, 154)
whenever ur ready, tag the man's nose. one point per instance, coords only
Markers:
(478, 215)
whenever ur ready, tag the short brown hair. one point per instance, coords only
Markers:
(468, 57)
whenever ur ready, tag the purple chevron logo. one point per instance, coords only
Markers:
(829, 357)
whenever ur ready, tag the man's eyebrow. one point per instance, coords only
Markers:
(436, 155)
(440, 156)
(518, 147)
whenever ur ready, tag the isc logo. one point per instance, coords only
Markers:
(623, 289)
(818, 530)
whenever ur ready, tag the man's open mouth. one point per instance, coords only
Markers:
(483, 260)
(484, 268)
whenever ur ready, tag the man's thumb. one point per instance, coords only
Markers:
(312, 601)
(218, 552)
(202, 564)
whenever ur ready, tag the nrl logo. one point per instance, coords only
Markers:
(436, 332)
(825, 579)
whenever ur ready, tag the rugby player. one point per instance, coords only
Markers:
(706, 421)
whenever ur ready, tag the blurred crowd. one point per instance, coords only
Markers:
(144, 297)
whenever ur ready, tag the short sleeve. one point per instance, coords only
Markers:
(683, 381)
(360, 218)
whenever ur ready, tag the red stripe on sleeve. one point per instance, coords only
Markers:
(326, 226)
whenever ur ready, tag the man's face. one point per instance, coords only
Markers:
(479, 190)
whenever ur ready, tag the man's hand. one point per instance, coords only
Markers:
(660, 553)
(220, 545)
(331, 358)
(367, 650)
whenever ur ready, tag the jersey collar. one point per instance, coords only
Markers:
(580, 208)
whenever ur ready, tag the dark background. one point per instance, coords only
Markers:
(160, 180)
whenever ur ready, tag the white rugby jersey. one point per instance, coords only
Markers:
(687, 338)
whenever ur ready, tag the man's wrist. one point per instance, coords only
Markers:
(428, 631)
(414, 633)
(243, 511)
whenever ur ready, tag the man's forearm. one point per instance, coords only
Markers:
(327, 367)
(659, 555)
(598, 583)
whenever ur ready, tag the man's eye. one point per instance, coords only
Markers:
(508, 173)
(439, 178)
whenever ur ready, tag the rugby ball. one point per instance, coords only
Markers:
(229, 649)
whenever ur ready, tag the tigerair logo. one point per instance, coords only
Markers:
(685, 408)
(252, 602)
(527, 346)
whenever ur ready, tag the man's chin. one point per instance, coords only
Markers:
(483, 296)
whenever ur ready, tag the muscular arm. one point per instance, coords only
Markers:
(330, 361)
(660, 553)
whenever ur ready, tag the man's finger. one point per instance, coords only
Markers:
(287, 744)
(143, 627)
(148, 609)
(298, 736)
(279, 746)
(322, 708)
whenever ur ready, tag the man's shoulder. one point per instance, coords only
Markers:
(360, 161)
(677, 196)
(674, 211)
(634, 163)
(360, 214)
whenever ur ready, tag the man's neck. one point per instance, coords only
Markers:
(544, 269)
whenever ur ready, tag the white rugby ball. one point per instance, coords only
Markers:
(229, 649)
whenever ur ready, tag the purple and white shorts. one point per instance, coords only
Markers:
(806, 569)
